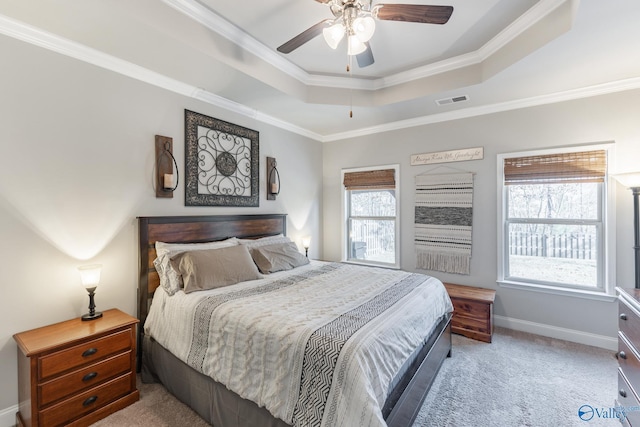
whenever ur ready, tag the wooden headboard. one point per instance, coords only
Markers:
(192, 229)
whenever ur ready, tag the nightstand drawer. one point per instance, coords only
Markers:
(629, 322)
(470, 323)
(84, 378)
(84, 353)
(86, 402)
(471, 309)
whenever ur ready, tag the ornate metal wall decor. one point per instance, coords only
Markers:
(222, 162)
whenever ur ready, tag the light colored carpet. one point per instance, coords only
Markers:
(521, 380)
(518, 380)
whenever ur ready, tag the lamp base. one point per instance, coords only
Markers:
(94, 316)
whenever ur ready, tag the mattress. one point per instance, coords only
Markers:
(316, 345)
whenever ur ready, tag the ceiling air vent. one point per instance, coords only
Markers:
(453, 100)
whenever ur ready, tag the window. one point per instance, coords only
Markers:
(553, 231)
(370, 214)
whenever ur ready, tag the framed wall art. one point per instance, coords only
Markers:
(221, 162)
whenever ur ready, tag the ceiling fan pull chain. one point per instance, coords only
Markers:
(350, 86)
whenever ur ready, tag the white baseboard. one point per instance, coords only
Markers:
(8, 416)
(602, 341)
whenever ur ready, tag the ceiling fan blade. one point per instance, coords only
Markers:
(304, 37)
(365, 58)
(424, 14)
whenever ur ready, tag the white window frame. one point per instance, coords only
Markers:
(606, 252)
(346, 216)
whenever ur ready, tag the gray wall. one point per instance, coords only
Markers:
(605, 118)
(76, 168)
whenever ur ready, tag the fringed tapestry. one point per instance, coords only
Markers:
(443, 219)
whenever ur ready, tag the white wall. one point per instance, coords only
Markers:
(605, 118)
(76, 168)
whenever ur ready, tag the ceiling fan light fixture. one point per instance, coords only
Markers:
(333, 35)
(364, 28)
(355, 46)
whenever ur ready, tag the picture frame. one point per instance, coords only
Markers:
(221, 162)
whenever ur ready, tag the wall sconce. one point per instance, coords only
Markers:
(632, 181)
(306, 242)
(166, 181)
(90, 277)
(273, 179)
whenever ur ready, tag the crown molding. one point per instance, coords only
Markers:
(527, 20)
(216, 23)
(535, 14)
(35, 36)
(38, 37)
(569, 95)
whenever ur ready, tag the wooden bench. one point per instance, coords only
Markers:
(472, 311)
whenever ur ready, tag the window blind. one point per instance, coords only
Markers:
(383, 179)
(561, 168)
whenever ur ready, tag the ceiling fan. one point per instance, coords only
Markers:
(356, 20)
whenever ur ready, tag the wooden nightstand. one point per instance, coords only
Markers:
(76, 372)
(472, 311)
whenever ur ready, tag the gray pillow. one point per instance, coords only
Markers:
(215, 268)
(278, 257)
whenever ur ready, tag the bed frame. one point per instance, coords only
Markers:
(405, 400)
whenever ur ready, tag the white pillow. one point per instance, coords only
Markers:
(162, 248)
(263, 241)
(171, 280)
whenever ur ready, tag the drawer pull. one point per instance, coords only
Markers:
(90, 352)
(89, 400)
(621, 355)
(89, 376)
(623, 393)
(623, 316)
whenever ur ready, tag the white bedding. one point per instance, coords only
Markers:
(269, 340)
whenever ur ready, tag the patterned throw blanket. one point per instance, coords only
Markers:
(317, 346)
(443, 219)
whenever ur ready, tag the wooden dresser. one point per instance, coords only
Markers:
(76, 372)
(629, 355)
(472, 311)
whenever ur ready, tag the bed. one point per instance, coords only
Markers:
(217, 401)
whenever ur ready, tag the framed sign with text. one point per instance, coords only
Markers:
(448, 156)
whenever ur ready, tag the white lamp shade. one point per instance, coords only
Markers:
(90, 275)
(629, 180)
(364, 28)
(306, 242)
(333, 35)
(356, 47)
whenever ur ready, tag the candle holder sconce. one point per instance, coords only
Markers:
(273, 179)
(166, 181)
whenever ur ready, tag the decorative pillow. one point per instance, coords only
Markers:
(263, 241)
(163, 248)
(278, 257)
(171, 280)
(215, 268)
